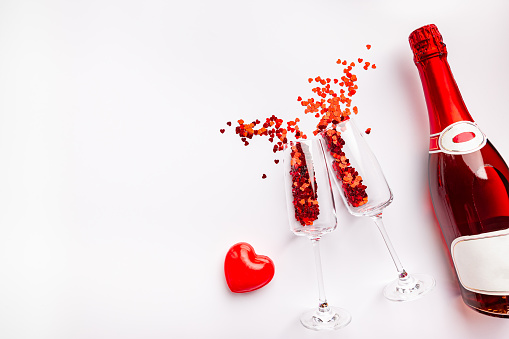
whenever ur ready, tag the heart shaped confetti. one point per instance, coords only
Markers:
(246, 271)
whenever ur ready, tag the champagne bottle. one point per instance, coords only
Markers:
(468, 182)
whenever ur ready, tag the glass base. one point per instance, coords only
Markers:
(409, 287)
(318, 320)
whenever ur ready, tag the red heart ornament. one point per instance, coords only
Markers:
(246, 271)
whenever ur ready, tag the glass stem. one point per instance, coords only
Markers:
(379, 223)
(322, 306)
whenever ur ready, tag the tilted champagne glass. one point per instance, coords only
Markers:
(312, 213)
(365, 192)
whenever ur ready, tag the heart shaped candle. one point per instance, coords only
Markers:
(246, 271)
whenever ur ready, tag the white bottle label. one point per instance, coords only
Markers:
(462, 137)
(482, 262)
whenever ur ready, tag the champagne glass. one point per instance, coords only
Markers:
(365, 192)
(312, 213)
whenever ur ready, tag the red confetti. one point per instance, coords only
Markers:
(350, 179)
(264, 176)
(304, 192)
(331, 104)
(276, 161)
(222, 130)
(368, 130)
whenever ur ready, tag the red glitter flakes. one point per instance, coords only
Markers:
(368, 130)
(229, 123)
(271, 128)
(304, 192)
(330, 103)
(351, 181)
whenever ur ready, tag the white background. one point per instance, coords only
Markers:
(119, 198)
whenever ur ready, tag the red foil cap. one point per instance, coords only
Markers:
(426, 42)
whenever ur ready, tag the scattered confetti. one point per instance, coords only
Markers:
(330, 103)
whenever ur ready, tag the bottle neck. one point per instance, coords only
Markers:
(443, 98)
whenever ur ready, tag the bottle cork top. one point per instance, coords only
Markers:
(426, 42)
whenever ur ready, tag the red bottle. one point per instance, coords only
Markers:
(468, 181)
